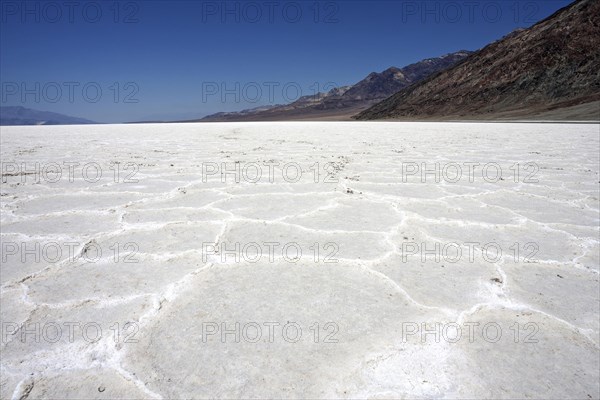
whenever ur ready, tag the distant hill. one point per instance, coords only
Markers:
(549, 71)
(342, 102)
(18, 115)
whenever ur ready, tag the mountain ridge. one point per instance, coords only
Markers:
(554, 64)
(19, 115)
(347, 100)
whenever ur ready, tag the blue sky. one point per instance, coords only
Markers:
(141, 60)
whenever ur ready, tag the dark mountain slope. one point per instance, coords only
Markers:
(554, 64)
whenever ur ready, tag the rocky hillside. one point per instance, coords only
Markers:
(545, 70)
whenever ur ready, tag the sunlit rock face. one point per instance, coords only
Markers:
(300, 260)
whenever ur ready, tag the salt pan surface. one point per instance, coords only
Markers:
(176, 264)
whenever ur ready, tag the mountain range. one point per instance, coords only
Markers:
(17, 115)
(343, 102)
(549, 71)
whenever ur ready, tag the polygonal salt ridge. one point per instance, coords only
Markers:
(234, 383)
(86, 223)
(393, 191)
(76, 336)
(181, 198)
(38, 183)
(529, 241)
(92, 383)
(24, 256)
(149, 218)
(8, 382)
(584, 233)
(542, 209)
(350, 214)
(158, 239)
(15, 311)
(457, 208)
(82, 200)
(275, 206)
(371, 174)
(291, 188)
(514, 353)
(410, 369)
(107, 280)
(560, 291)
(309, 243)
(556, 191)
(590, 259)
(435, 281)
(298, 290)
(146, 186)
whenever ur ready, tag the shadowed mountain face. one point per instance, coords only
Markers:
(551, 69)
(26, 116)
(347, 100)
